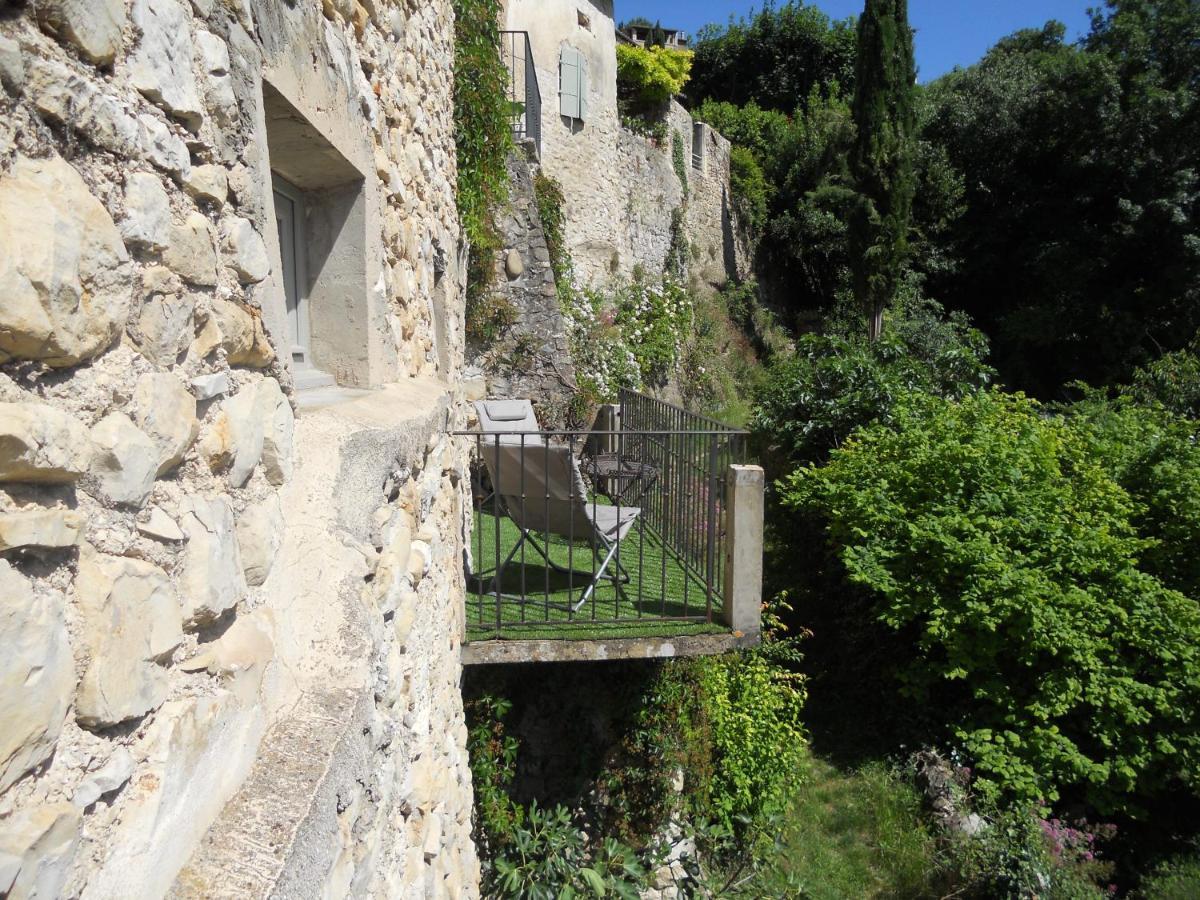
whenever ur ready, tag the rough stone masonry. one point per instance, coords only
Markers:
(230, 611)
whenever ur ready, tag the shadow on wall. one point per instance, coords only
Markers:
(728, 238)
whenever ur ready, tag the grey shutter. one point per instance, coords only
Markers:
(569, 66)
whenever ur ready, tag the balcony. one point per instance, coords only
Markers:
(522, 92)
(639, 538)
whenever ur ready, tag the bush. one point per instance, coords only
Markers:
(1005, 558)
(749, 188)
(650, 76)
(1176, 879)
(1172, 381)
(1155, 457)
(815, 398)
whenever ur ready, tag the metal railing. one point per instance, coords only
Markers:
(625, 526)
(522, 92)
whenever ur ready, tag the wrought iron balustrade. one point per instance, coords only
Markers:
(615, 528)
(523, 94)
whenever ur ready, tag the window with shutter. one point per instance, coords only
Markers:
(572, 84)
(568, 83)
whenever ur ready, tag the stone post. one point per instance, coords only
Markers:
(744, 488)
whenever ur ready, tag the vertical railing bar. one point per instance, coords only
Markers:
(546, 526)
(524, 521)
(496, 510)
(711, 528)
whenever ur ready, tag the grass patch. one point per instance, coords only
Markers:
(658, 587)
(859, 834)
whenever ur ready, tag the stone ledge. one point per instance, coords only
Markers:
(279, 831)
(480, 653)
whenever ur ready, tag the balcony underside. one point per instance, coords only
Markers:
(479, 653)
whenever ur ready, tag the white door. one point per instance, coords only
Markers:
(289, 212)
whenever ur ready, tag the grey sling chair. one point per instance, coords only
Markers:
(539, 487)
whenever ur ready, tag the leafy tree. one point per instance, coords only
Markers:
(881, 162)
(1005, 560)
(650, 76)
(1079, 247)
(775, 58)
(814, 399)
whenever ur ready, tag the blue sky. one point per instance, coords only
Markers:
(949, 32)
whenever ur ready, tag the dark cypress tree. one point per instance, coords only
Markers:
(881, 162)
(658, 37)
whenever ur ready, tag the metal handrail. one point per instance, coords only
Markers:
(523, 93)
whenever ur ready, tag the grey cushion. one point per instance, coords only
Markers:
(508, 410)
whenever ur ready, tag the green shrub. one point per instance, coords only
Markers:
(815, 398)
(529, 853)
(749, 188)
(1155, 457)
(1176, 879)
(754, 708)
(651, 76)
(1015, 856)
(1172, 381)
(1004, 557)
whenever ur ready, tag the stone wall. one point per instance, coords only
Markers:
(533, 358)
(231, 611)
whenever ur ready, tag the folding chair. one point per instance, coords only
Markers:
(540, 488)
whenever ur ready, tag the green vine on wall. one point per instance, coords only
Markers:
(680, 162)
(483, 139)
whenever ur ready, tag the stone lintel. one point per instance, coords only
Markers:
(478, 653)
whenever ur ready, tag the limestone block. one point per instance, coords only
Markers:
(108, 778)
(259, 533)
(36, 675)
(205, 387)
(160, 526)
(278, 442)
(37, 847)
(214, 58)
(212, 579)
(64, 275)
(245, 647)
(41, 444)
(12, 67)
(419, 560)
(161, 147)
(124, 461)
(245, 251)
(242, 335)
(160, 67)
(93, 26)
(192, 251)
(514, 265)
(41, 528)
(208, 339)
(131, 624)
(147, 221)
(164, 327)
(166, 411)
(62, 94)
(210, 183)
(234, 440)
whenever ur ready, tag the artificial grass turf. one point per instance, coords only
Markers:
(658, 587)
